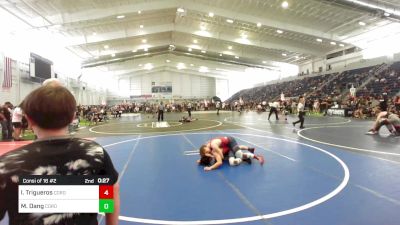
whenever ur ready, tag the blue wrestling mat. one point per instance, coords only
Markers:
(299, 183)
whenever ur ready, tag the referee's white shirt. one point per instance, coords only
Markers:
(275, 104)
(300, 107)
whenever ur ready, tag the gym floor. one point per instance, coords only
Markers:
(328, 173)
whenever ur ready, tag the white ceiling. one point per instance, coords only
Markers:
(91, 24)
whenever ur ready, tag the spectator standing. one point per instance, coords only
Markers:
(383, 104)
(17, 122)
(218, 106)
(3, 124)
(397, 103)
(7, 112)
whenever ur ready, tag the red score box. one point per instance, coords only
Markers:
(106, 192)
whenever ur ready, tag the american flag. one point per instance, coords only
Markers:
(7, 79)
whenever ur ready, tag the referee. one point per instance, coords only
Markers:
(274, 109)
(189, 109)
(161, 112)
(300, 109)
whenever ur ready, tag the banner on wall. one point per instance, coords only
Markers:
(140, 96)
(161, 87)
(340, 112)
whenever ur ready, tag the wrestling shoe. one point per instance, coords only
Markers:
(251, 149)
(372, 132)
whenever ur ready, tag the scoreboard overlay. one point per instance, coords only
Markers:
(65, 194)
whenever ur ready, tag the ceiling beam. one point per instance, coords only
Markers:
(95, 13)
(170, 69)
(270, 22)
(184, 30)
(270, 44)
(121, 34)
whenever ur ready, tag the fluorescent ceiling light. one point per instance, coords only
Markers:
(259, 24)
(203, 69)
(148, 66)
(113, 55)
(230, 47)
(106, 46)
(229, 20)
(120, 16)
(144, 41)
(211, 14)
(361, 23)
(195, 41)
(285, 4)
(181, 66)
(319, 39)
(279, 31)
(181, 10)
(141, 26)
(202, 51)
(333, 43)
(236, 57)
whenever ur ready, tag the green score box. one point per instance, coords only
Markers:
(106, 206)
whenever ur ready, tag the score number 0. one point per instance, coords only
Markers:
(106, 195)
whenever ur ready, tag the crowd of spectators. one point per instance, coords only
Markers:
(344, 81)
(12, 121)
(379, 86)
(387, 81)
(152, 106)
(302, 86)
(330, 90)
